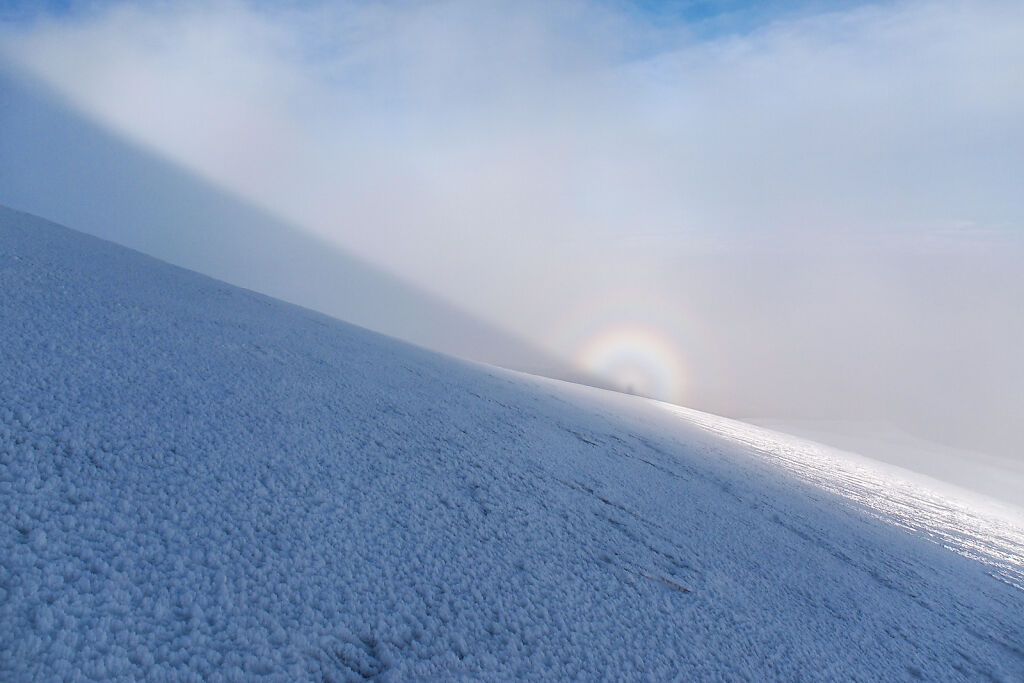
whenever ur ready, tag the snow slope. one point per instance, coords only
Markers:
(987, 474)
(202, 482)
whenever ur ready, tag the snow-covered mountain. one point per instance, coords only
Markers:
(200, 481)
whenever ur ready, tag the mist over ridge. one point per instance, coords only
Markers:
(809, 216)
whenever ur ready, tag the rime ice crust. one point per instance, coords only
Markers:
(199, 481)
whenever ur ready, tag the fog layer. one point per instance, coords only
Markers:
(817, 216)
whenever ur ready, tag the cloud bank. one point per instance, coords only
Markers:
(815, 216)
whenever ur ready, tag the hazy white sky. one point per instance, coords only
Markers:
(797, 212)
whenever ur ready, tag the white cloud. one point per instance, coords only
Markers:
(528, 159)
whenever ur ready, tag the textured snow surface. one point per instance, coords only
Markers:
(201, 482)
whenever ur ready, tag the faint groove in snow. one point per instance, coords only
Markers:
(987, 538)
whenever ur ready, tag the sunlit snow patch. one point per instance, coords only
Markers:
(968, 524)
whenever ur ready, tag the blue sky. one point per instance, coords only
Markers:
(711, 18)
(18, 10)
(708, 18)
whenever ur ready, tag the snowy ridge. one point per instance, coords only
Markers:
(202, 482)
(983, 529)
